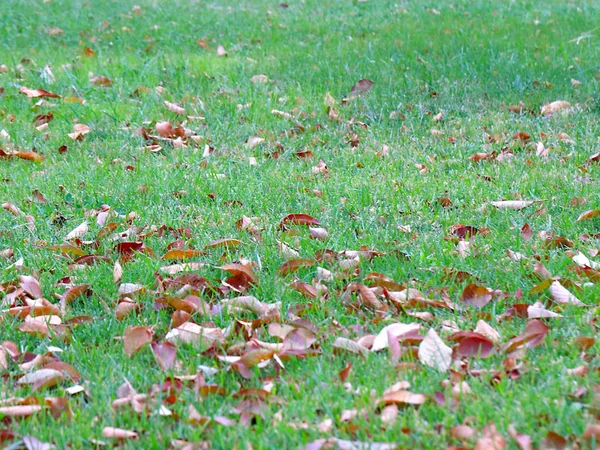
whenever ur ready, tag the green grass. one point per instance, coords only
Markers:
(469, 62)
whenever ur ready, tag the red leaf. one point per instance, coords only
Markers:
(475, 345)
(534, 334)
(241, 269)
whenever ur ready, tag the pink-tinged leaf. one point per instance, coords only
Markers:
(78, 232)
(294, 265)
(37, 93)
(396, 330)
(402, 397)
(526, 232)
(117, 272)
(73, 293)
(19, 410)
(562, 296)
(308, 290)
(462, 432)
(135, 338)
(348, 345)
(298, 219)
(43, 378)
(369, 298)
(31, 286)
(118, 433)
(126, 289)
(393, 348)
(523, 441)
(174, 108)
(433, 352)
(299, 339)
(241, 269)
(588, 215)
(537, 311)
(11, 208)
(164, 353)
(477, 296)
(534, 334)
(475, 346)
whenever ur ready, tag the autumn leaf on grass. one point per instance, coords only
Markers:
(342, 343)
(402, 397)
(78, 232)
(534, 334)
(192, 333)
(19, 410)
(293, 265)
(434, 353)
(174, 108)
(537, 311)
(361, 87)
(236, 269)
(561, 295)
(118, 433)
(135, 338)
(37, 93)
(395, 330)
(554, 107)
(513, 204)
(588, 215)
(73, 293)
(30, 156)
(477, 296)
(127, 289)
(251, 359)
(164, 353)
(298, 219)
(176, 253)
(43, 378)
(100, 80)
(223, 243)
(79, 131)
(472, 344)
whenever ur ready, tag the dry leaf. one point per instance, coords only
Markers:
(135, 338)
(561, 295)
(513, 204)
(434, 353)
(554, 107)
(174, 108)
(78, 232)
(118, 433)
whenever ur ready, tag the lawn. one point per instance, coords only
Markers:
(354, 224)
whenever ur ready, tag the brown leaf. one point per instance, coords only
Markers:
(462, 432)
(117, 272)
(30, 156)
(100, 80)
(181, 254)
(241, 269)
(226, 242)
(345, 372)
(298, 219)
(532, 336)
(526, 232)
(308, 290)
(37, 93)
(165, 129)
(135, 338)
(73, 293)
(293, 265)
(433, 352)
(164, 353)
(477, 296)
(349, 345)
(361, 87)
(590, 214)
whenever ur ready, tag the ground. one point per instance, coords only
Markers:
(367, 142)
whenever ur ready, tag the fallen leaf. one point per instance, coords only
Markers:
(174, 108)
(434, 353)
(78, 231)
(531, 337)
(37, 93)
(588, 215)
(164, 353)
(513, 204)
(475, 295)
(135, 338)
(554, 107)
(361, 87)
(119, 433)
(562, 296)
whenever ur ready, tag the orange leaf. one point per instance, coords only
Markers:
(226, 242)
(30, 156)
(477, 296)
(240, 269)
(181, 254)
(293, 265)
(37, 93)
(588, 215)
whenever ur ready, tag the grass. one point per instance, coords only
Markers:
(468, 62)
